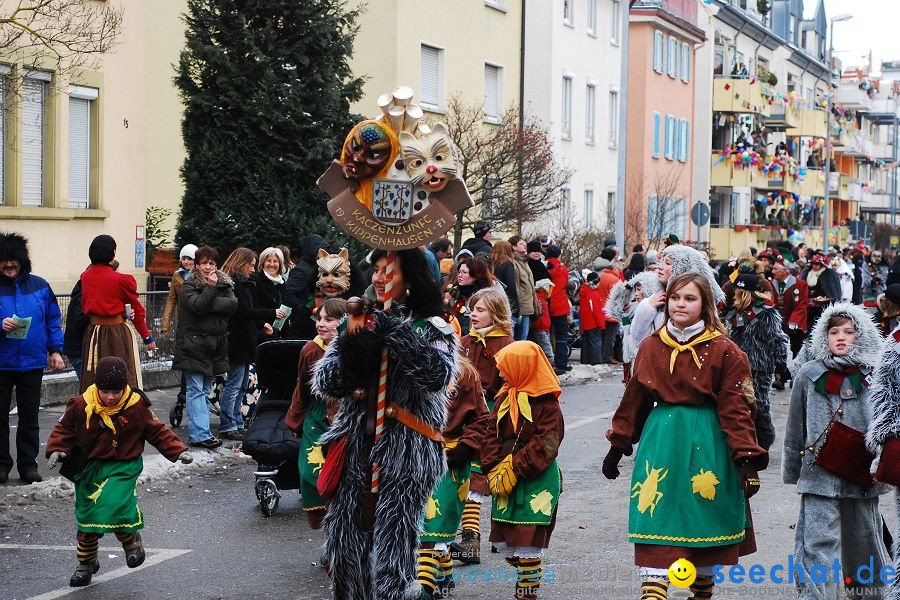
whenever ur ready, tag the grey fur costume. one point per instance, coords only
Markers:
(766, 346)
(382, 564)
(884, 398)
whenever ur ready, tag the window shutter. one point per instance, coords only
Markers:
(657, 51)
(429, 76)
(676, 146)
(32, 142)
(491, 91)
(687, 140)
(656, 134)
(79, 152)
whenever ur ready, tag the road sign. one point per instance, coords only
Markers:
(700, 214)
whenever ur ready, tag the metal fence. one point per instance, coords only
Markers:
(154, 303)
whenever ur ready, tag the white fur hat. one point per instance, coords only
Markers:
(869, 344)
(687, 260)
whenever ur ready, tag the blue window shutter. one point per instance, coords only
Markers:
(687, 140)
(656, 134)
(676, 146)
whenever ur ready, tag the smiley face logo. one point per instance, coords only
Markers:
(682, 573)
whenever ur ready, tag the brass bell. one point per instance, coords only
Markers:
(360, 394)
(840, 411)
(802, 452)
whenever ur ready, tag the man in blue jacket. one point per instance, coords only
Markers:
(24, 357)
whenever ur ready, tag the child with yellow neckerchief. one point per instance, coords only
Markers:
(491, 331)
(107, 426)
(519, 453)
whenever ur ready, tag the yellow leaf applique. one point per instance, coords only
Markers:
(463, 492)
(96, 495)
(432, 508)
(314, 456)
(502, 503)
(705, 484)
(542, 503)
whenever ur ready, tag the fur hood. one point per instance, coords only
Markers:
(622, 292)
(885, 396)
(868, 346)
(15, 247)
(194, 277)
(687, 260)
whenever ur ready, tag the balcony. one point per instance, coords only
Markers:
(730, 242)
(839, 186)
(739, 96)
(883, 151)
(850, 96)
(813, 184)
(854, 143)
(812, 124)
(723, 173)
(783, 116)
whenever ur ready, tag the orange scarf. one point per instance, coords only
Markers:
(526, 372)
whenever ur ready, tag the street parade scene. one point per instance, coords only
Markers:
(374, 337)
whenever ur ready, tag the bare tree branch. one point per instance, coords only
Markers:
(661, 215)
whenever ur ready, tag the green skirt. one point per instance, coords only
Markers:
(311, 458)
(106, 496)
(444, 509)
(532, 501)
(685, 486)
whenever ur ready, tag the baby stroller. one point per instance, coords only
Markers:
(176, 413)
(271, 444)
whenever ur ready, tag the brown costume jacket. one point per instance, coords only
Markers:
(467, 413)
(483, 358)
(303, 397)
(134, 425)
(539, 439)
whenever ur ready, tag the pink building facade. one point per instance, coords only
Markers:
(663, 38)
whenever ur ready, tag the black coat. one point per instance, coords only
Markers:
(266, 294)
(538, 270)
(829, 285)
(76, 323)
(506, 273)
(201, 338)
(477, 246)
(242, 324)
(299, 288)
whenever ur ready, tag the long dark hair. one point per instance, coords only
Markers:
(423, 297)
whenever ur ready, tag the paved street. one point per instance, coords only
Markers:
(207, 539)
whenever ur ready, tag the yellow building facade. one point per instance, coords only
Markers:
(88, 153)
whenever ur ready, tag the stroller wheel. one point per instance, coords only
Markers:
(176, 414)
(268, 496)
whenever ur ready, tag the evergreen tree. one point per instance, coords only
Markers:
(267, 88)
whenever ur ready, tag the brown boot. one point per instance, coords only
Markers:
(468, 548)
(83, 574)
(134, 550)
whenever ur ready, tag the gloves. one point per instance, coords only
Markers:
(502, 479)
(749, 479)
(56, 457)
(611, 462)
(459, 456)
(792, 326)
(185, 458)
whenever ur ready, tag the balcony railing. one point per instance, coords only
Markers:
(740, 96)
(850, 96)
(812, 124)
(783, 115)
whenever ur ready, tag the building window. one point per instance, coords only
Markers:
(680, 218)
(657, 118)
(672, 69)
(568, 12)
(588, 207)
(614, 18)
(613, 117)
(567, 107)
(610, 210)
(592, 17)
(670, 137)
(659, 51)
(565, 205)
(431, 76)
(493, 90)
(80, 99)
(685, 62)
(590, 110)
(34, 93)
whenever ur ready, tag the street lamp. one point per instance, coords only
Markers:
(836, 19)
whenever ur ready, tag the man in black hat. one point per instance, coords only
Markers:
(481, 243)
(31, 330)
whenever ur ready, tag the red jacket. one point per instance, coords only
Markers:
(541, 323)
(793, 303)
(104, 293)
(590, 308)
(559, 300)
(608, 278)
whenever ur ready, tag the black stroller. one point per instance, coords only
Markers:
(268, 439)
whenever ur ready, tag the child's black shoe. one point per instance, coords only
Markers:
(83, 574)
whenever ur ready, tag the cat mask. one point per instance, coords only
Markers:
(429, 160)
(334, 272)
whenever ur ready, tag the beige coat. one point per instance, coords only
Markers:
(172, 300)
(524, 285)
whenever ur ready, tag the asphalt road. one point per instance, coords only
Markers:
(207, 538)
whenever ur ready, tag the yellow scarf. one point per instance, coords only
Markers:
(483, 338)
(520, 406)
(93, 405)
(709, 334)
(320, 342)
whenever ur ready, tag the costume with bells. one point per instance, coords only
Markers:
(111, 439)
(519, 454)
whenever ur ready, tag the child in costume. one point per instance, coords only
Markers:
(519, 452)
(689, 491)
(755, 326)
(309, 416)
(467, 419)
(591, 320)
(491, 331)
(109, 423)
(623, 299)
(839, 518)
